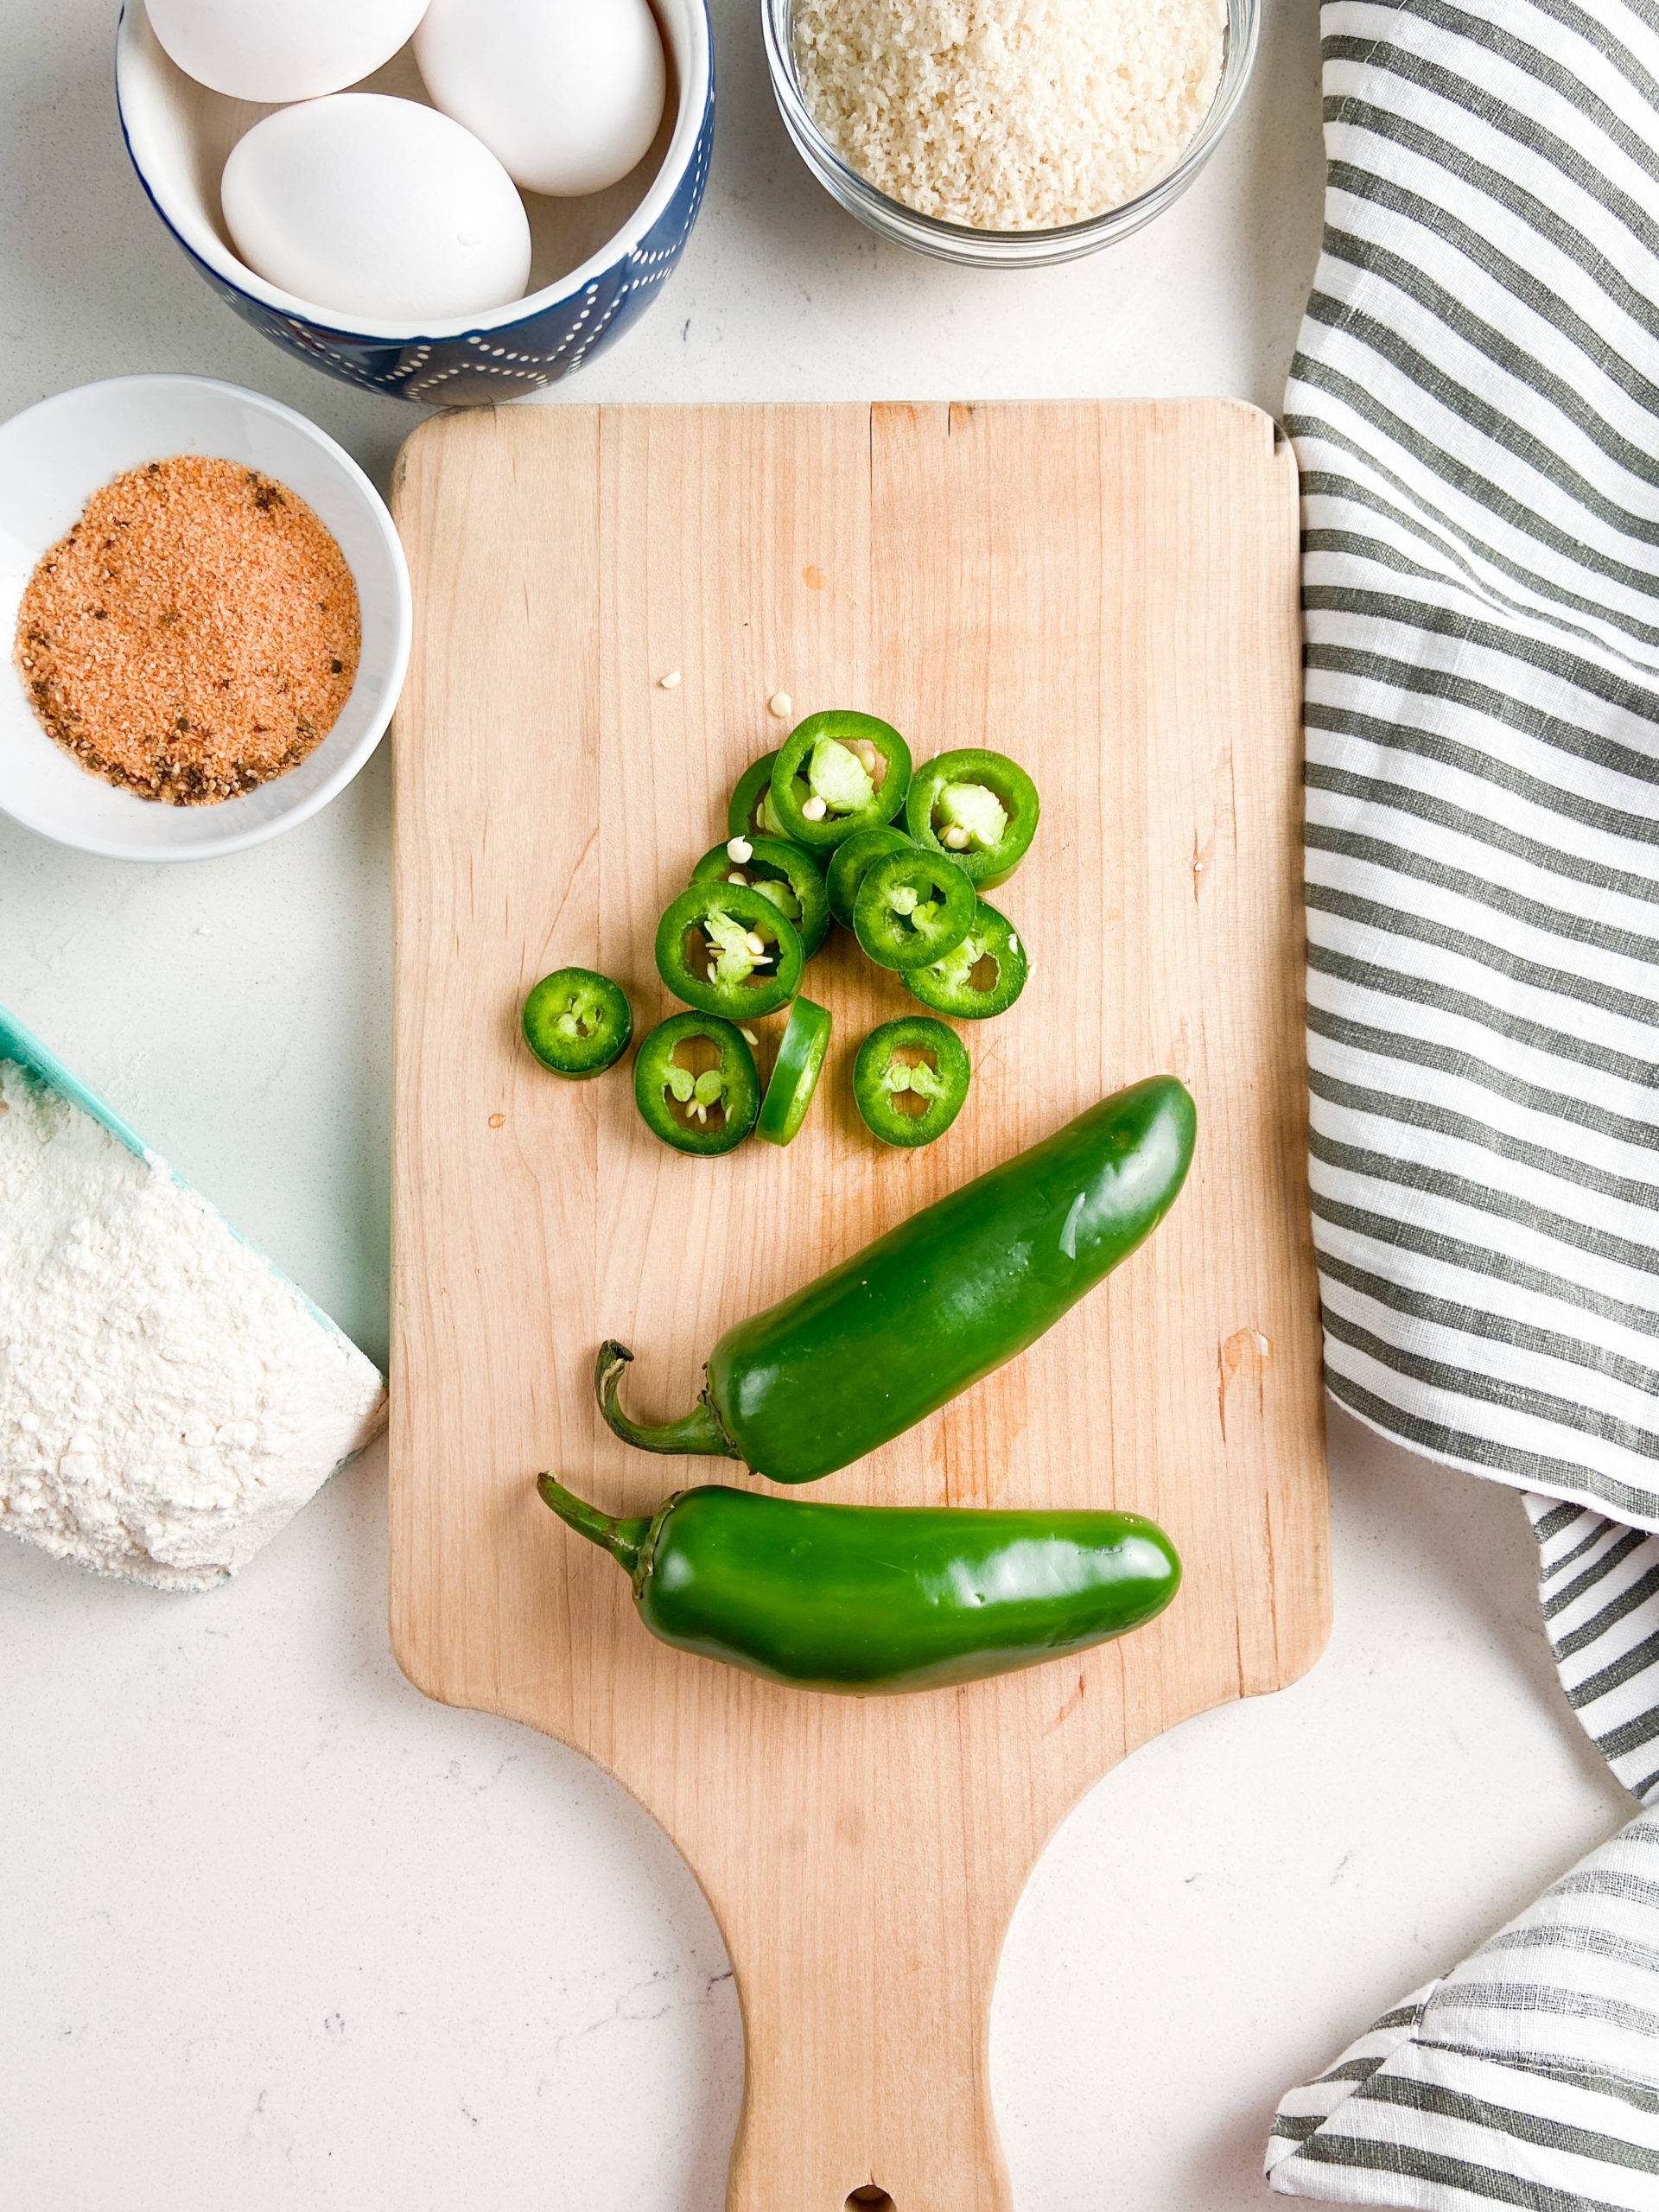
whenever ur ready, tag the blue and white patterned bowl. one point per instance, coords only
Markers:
(597, 263)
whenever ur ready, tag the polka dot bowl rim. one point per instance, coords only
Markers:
(54, 456)
(149, 136)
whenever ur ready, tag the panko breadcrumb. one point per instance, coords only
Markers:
(1010, 114)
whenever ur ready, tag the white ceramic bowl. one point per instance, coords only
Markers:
(52, 457)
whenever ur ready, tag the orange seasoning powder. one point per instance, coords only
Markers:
(195, 634)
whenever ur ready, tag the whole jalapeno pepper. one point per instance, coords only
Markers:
(910, 1080)
(577, 1022)
(785, 873)
(896, 1331)
(751, 813)
(984, 975)
(978, 806)
(795, 1073)
(851, 857)
(911, 907)
(877, 1600)
(726, 948)
(835, 772)
(708, 1111)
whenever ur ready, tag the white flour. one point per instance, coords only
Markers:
(166, 1403)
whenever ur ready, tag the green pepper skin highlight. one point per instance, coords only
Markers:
(872, 1600)
(898, 1330)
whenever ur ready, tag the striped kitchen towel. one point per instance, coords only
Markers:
(1529, 2075)
(1506, 2083)
(1475, 405)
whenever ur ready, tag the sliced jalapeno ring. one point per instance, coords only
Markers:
(984, 975)
(577, 1022)
(851, 859)
(913, 907)
(910, 1079)
(702, 1101)
(795, 1072)
(785, 873)
(751, 813)
(978, 806)
(835, 772)
(726, 948)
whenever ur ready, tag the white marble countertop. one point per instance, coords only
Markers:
(276, 1932)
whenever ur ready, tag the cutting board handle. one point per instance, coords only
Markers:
(866, 2020)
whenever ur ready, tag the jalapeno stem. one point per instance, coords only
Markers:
(696, 1434)
(624, 1540)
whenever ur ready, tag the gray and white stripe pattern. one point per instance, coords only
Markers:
(1475, 405)
(1599, 1584)
(1528, 2077)
(1480, 460)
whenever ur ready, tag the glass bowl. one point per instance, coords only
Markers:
(976, 249)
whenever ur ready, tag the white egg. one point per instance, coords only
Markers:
(377, 208)
(273, 50)
(566, 93)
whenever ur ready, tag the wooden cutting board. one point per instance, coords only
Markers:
(1109, 592)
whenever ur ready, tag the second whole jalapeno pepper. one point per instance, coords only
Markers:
(725, 948)
(877, 1600)
(911, 907)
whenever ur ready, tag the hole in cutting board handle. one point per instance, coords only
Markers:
(870, 2196)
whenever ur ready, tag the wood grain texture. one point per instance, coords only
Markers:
(1110, 593)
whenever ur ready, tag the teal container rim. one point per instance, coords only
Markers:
(19, 1043)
